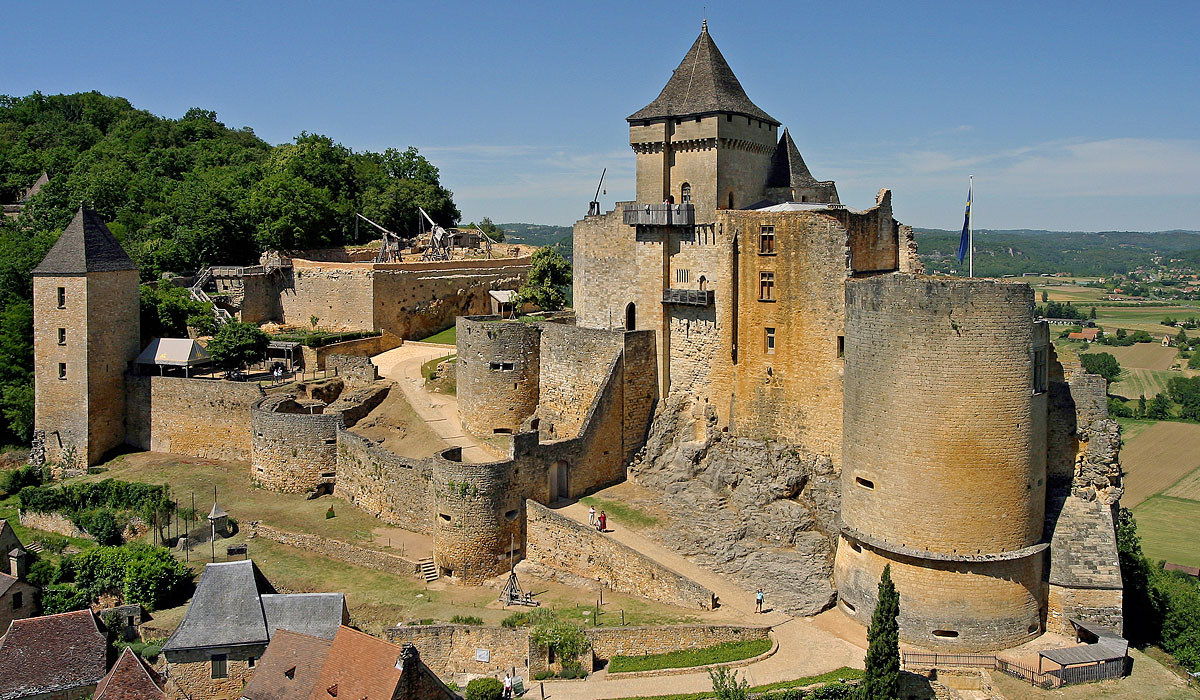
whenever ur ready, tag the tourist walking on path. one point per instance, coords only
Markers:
(758, 601)
(592, 516)
(507, 686)
(603, 521)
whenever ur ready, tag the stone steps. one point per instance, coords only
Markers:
(428, 569)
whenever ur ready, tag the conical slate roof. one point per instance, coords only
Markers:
(703, 83)
(787, 167)
(86, 245)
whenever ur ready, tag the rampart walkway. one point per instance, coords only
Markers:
(439, 411)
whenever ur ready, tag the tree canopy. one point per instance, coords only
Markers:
(238, 344)
(1101, 363)
(549, 274)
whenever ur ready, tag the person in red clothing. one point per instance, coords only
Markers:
(603, 521)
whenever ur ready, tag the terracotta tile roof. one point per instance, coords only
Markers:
(86, 245)
(359, 667)
(703, 83)
(130, 679)
(289, 668)
(51, 654)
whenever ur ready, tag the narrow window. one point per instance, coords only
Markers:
(841, 346)
(703, 283)
(62, 336)
(865, 483)
(1039, 371)
(728, 117)
(290, 673)
(218, 666)
(444, 517)
(731, 200)
(685, 191)
(766, 240)
(945, 634)
(62, 297)
(766, 286)
(250, 662)
(17, 602)
(506, 366)
(630, 317)
(770, 341)
(494, 365)
(62, 370)
(511, 515)
(683, 276)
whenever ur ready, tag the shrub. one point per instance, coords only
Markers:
(42, 572)
(151, 652)
(100, 523)
(833, 691)
(572, 669)
(62, 597)
(1101, 363)
(146, 575)
(13, 481)
(727, 685)
(565, 639)
(1118, 409)
(485, 689)
(466, 620)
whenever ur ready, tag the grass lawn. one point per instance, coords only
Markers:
(686, 658)
(620, 512)
(844, 673)
(447, 337)
(1169, 528)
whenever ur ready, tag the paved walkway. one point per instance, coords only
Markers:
(807, 645)
(439, 411)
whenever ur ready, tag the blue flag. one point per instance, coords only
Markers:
(965, 241)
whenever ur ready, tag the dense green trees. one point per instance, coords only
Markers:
(1101, 363)
(179, 194)
(167, 311)
(238, 344)
(549, 275)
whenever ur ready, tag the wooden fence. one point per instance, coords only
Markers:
(1057, 678)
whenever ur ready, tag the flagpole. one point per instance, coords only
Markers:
(971, 226)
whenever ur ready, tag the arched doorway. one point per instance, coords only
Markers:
(703, 283)
(685, 193)
(560, 487)
(630, 317)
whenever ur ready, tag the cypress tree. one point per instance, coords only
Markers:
(882, 678)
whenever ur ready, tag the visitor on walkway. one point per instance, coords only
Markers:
(507, 686)
(603, 521)
(592, 516)
(758, 601)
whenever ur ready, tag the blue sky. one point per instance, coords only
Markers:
(1071, 116)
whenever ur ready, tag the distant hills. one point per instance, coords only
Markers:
(997, 252)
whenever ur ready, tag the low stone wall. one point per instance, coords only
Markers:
(608, 642)
(336, 549)
(354, 370)
(315, 358)
(1095, 605)
(50, 522)
(561, 543)
(392, 488)
(356, 403)
(196, 417)
(449, 649)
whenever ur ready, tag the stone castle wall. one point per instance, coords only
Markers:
(292, 452)
(317, 358)
(449, 649)
(395, 489)
(573, 370)
(60, 405)
(608, 642)
(478, 517)
(562, 544)
(354, 370)
(113, 341)
(336, 549)
(498, 371)
(196, 417)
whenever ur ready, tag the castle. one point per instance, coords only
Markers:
(735, 299)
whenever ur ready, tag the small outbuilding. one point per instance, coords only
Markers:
(166, 353)
(218, 519)
(503, 302)
(1103, 655)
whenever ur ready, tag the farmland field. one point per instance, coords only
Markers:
(1142, 318)
(1141, 355)
(1188, 487)
(1158, 457)
(1170, 530)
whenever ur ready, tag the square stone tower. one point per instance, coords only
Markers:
(86, 331)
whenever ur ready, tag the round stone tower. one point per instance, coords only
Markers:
(477, 517)
(498, 366)
(944, 469)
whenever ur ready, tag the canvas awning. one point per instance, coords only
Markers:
(504, 296)
(174, 352)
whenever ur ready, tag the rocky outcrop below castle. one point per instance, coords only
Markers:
(763, 513)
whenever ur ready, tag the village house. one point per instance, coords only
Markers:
(54, 657)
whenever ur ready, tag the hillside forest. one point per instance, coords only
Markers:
(179, 194)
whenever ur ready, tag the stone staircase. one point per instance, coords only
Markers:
(428, 569)
(35, 547)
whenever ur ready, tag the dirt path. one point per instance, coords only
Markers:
(807, 646)
(439, 411)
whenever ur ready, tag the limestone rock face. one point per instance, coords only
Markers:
(763, 512)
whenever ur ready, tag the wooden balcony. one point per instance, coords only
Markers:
(688, 297)
(660, 214)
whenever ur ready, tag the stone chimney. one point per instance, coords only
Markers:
(16, 563)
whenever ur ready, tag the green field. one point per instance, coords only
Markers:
(446, 337)
(1142, 318)
(1142, 382)
(1170, 529)
(687, 658)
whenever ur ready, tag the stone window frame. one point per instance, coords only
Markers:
(685, 191)
(769, 340)
(62, 336)
(218, 666)
(683, 276)
(766, 240)
(62, 297)
(766, 285)
(62, 371)
(1041, 382)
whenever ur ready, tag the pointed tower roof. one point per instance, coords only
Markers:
(36, 187)
(86, 245)
(787, 166)
(703, 83)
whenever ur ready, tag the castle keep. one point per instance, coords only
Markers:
(740, 336)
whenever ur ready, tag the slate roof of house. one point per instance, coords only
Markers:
(315, 614)
(703, 83)
(358, 667)
(130, 679)
(787, 166)
(234, 604)
(51, 654)
(86, 245)
(225, 610)
(36, 187)
(6, 582)
(289, 668)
